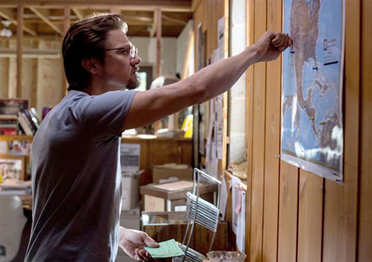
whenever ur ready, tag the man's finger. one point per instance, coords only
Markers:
(275, 41)
(142, 254)
(281, 41)
(149, 241)
(284, 44)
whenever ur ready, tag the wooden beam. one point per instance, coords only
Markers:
(114, 10)
(158, 43)
(19, 49)
(30, 53)
(66, 20)
(153, 26)
(195, 4)
(43, 14)
(8, 15)
(173, 20)
(186, 64)
(77, 13)
(66, 24)
(134, 5)
(4, 78)
(35, 71)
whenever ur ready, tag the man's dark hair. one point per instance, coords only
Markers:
(87, 39)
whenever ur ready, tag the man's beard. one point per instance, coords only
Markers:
(133, 84)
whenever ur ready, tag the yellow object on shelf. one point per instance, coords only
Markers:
(187, 126)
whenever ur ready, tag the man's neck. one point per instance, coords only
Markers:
(99, 87)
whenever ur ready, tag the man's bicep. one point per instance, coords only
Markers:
(152, 105)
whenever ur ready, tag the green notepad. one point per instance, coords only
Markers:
(167, 248)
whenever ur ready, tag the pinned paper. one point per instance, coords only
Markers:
(234, 184)
(223, 198)
(238, 202)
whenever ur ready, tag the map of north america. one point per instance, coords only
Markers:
(311, 106)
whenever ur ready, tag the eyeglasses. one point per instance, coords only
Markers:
(131, 50)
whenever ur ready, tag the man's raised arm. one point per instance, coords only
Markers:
(205, 84)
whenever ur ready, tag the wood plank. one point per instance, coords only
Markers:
(258, 150)
(158, 43)
(173, 21)
(77, 13)
(4, 77)
(153, 26)
(365, 202)
(186, 63)
(250, 22)
(43, 14)
(33, 101)
(288, 213)
(8, 15)
(66, 25)
(195, 4)
(133, 5)
(34, 84)
(185, 151)
(66, 18)
(340, 214)
(310, 218)
(207, 25)
(20, 11)
(272, 141)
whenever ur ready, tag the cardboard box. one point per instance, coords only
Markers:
(172, 196)
(130, 190)
(182, 172)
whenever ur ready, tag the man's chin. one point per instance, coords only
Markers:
(133, 85)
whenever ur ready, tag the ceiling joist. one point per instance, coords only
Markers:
(77, 13)
(8, 15)
(43, 14)
(153, 26)
(128, 5)
(173, 20)
(48, 18)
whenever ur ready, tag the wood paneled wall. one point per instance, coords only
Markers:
(294, 215)
(207, 12)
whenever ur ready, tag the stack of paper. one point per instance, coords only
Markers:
(167, 248)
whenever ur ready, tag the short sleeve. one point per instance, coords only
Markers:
(106, 113)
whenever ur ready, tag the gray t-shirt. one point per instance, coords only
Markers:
(77, 180)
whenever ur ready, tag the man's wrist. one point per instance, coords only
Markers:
(252, 54)
(122, 231)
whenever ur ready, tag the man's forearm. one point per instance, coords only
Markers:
(219, 77)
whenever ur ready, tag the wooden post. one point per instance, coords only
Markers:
(158, 43)
(19, 49)
(66, 24)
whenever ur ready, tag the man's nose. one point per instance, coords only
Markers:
(136, 60)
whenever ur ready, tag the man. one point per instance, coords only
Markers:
(75, 168)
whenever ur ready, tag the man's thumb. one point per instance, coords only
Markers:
(149, 241)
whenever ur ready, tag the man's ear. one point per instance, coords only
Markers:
(91, 65)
